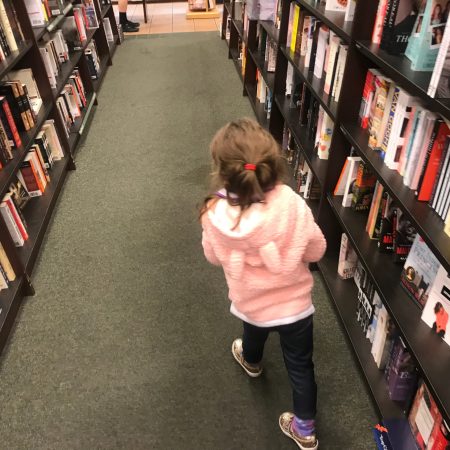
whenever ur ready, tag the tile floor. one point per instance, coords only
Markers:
(168, 18)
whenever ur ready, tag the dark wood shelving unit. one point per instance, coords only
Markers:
(292, 118)
(344, 295)
(404, 312)
(431, 354)
(237, 62)
(39, 210)
(105, 10)
(315, 85)
(429, 225)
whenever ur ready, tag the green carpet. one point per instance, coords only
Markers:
(126, 344)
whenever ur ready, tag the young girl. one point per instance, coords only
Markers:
(264, 236)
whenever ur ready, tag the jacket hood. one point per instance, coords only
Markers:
(263, 237)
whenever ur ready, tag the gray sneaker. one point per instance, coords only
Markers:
(304, 442)
(252, 370)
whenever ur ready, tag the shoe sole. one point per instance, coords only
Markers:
(250, 374)
(289, 435)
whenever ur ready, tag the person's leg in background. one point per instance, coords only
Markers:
(127, 25)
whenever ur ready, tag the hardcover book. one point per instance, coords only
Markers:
(363, 188)
(419, 271)
(404, 235)
(437, 309)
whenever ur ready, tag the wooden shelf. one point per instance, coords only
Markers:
(399, 69)
(238, 24)
(431, 353)
(429, 225)
(38, 212)
(8, 173)
(261, 64)
(271, 29)
(258, 107)
(315, 85)
(292, 117)
(334, 20)
(344, 296)
(10, 61)
(227, 8)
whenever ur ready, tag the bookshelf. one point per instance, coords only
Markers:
(431, 354)
(38, 211)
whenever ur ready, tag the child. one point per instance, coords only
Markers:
(263, 235)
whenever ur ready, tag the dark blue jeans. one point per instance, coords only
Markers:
(296, 341)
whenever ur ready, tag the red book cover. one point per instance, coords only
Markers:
(11, 123)
(367, 98)
(16, 217)
(29, 178)
(433, 164)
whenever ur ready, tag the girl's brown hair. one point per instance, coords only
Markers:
(239, 143)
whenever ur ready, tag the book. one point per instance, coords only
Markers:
(367, 98)
(36, 13)
(404, 235)
(440, 79)
(11, 224)
(419, 271)
(322, 45)
(336, 5)
(340, 185)
(6, 264)
(347, 259)
(427, 425)
(437, 308)
(363, 188)
(325, 135)
(342, 60)
(350, 10)
(332, 63)
(382, 87)
(374, 211)
(399, 25)
(386, 241)
(379, 21)
(425, 40)
(354, 162)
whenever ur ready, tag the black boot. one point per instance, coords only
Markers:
(128, 28)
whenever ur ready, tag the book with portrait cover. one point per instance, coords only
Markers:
(419, 271)
(437, 309)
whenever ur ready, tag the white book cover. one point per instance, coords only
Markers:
(35, 12)
(437, 308)
(380, 331)
(347, 259)
(53, 57)
(352, 173)
(334, 48)
(48, 67)
(320, 118)
(7, 28)
(350, 10)
(440, 79)
(326, 133)
(341, 67)
(406, 167)
(431, 120)
(304, 43)
(11, 225)
(55, 143)
(61, 46)
(336, 5)
(322, 44)
(108, 29)
(289, 79)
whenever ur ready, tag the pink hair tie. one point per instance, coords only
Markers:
(250, 167)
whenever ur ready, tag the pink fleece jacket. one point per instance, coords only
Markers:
(265, 258)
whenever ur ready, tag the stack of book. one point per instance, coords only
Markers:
(71, 101)
(320, 50)
(54, 52)
(411, 140)
(10, 31)
(32, 180)
(305, 183)
(93, 60)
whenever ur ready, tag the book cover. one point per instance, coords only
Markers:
(6, 264)
(322, 44)
(437, 309)
(399, 26)
(336, 5)
(326, 133)
(363, 188)
(367, 97)
(340, 185)
(337, 84)
(404, 235)
(440, 79)
(386, 242)
(374, 208)
(347, 259)
(419, 271)
(427, 35)
(350, 181)
(379, 21)
(382, 87)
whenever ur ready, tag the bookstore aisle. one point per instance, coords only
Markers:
(126, 344)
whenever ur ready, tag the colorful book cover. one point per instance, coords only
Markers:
(382, 85)
(363, 188)
(437, 309)
(427, 35)
(419, 271)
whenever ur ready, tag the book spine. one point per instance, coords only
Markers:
(389, 23)
(7, 267)
(17, 218)
(12, 124)
(11, 225)
(7, 28)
